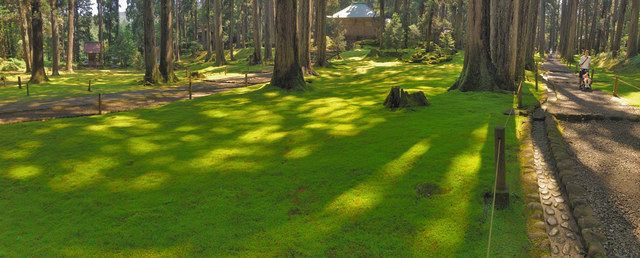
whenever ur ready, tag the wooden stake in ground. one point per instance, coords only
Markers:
(502, 193)
(615, 87)
(519, 95)
(246, 79)
(190, 89)
(19, 82)
(27, 88)
(89, 88)
(99, 103)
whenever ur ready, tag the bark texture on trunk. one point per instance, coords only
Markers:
(100, 29)
(151, 73)
(37, 70)
(320, 38)
(166, 41)
(55, 39)
(232, 30)
(207, 29)
(479, 72)
(256, 58)
(632, 43)
(268, 17)
(500, 38)
(382, 23)
(70, 34)
(530, 36)
(541, 27)
(304, 32)
(217, 30)
(287, 73)
(615, 46)
(23, 5)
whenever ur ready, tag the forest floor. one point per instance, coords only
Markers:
(603, 134)
(258, 172)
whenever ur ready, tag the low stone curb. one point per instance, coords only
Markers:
(584, 215)
(536, 230)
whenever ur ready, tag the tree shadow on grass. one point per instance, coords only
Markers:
(260, 173)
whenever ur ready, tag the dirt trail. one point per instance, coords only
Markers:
(603, 134)
(22, 111)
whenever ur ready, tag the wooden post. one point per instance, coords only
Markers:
(89, 88)
(19, 82)
(502, 193)
(593, 72)
(99, 103)
(615, 87)
(4, 81)
(190, 89)
(536, 75)
(519, 95)
(246, 78)
(28, 89)
(225, 70)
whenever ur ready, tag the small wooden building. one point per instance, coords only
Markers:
(359, 21)
(92, 49)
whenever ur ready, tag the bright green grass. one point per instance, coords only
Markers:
(258, 172)
(234, 68)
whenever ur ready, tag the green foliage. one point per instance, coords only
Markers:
(12, 64)
(192, 47)
(432, 54)
(335, 38)
(124, 51)
(393, 33)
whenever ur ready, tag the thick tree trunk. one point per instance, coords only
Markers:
(245, 25)
(553, 29)
(615, 46)
(256, 58)
(70, 32)
(479, 72)
(55, 39)
(632, 43)
(268, 16)
(569, 30)
(304, 32)
(287, 73)
(530, 36)
(602, 27)
(176, 45)
(232, 30)
(208, 30)
(501, 19)
(320, 38)
(37, 70)
(166, 41)
(614, 20)
(217, 29)
(541, 27)
(151, 73)
(405, 23)
(23, 5)
(382, 23)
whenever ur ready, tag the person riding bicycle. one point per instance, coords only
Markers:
(585, 64)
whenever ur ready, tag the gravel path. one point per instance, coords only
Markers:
(22, 111)
(603, 135)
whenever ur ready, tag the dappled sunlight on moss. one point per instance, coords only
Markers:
(81, 174)
(23, 172)
(141, 146)
(146, 181)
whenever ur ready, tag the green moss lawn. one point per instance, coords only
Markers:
(258, 172)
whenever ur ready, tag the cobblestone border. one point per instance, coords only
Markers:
(536, 226)
(584, 215)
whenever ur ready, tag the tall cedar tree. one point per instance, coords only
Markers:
(37, 69)
(100, 4)
(55, 39)
(23, 5)
(382, 23)
(320, 38)
(268, 18)
(217, 30)
(304, 32)
(479, 73)
(256, 58)
(632, 43)
(541, 27)
(287, 73)
(70, 33)
(151, 73)
(232, 30)
(615, 46)
(166, 41)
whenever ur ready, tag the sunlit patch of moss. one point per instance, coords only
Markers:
(23, 172)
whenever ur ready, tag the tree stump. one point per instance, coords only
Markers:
(399, 98)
